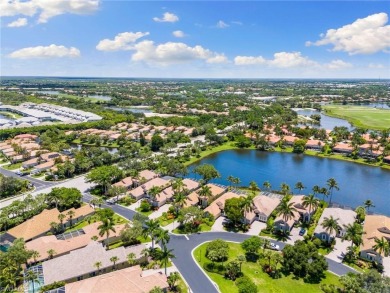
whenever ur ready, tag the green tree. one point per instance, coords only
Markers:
(267, 185)
(172, 279)
(285, 188)
(70, 215)
(252, 245)
(331, 225)
(105, 227)
(156, 143)
(253, 187)
(219, 249)
(233, 270)
(368, 204)
(286, 210)
(354, 233)
(32, 277)
(166, 255)
(299, 146)
(299, 185)
(207, 172)
(131, 258)
(234, 209)
(382, 246)
(163, 236)
(51, 253)
(310, 202)
(332, 184)
(246, 285)
(130, 234)
(104, 176)
(150, 228)
(98, 265)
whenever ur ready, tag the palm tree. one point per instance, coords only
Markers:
(268, 255)
(316, 189)
(354, 232)
(267, 185)
(96, 201)
(32, 277)
(114, 259)
(240, 259)
(70, 214)
(131, 258)
(94, 238)
(162, 236)
(382, 246)
(153, 192)
(51, 253)
(98, 265)
(368, 204)
(285, 188)
(299, 185)
(178, 185)
(247, 204)
(331, 225)
(230, 178)
(324, 191)
(278, 258)
(236, 181)
(165, 255)
(35, 254)
(253, 187)
(286, 210)
(105, 227)
(310, 202)
(150, 229)
(180, 199)
(204, 193)
(332, 184)
(61, 218)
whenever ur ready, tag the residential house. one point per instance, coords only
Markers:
(142, 190)
(386, 159)
(48, 156)
(289, 140)
(30, 163)
(375, 227)
(343, 217)
(216, 208)
(125, 182)
(145, 176)
(216, 190)
(66, 242)
(301, 213)
(129, 280)
(79, 264)
(44, 166)
(314, 144)
(263, 206)
(166, 195)
(343, 148)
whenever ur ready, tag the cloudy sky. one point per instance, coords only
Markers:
(216, 39)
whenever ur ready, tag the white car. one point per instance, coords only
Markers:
(274, 246)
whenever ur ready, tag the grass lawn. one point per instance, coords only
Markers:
(164, 222)
(144, 213)
(13, 166)
(226, 146)
(264, 282)
(364, 117)
(117, 220)
(181, 285)
(203, 228)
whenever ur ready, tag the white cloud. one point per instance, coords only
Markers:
(18, 23)
(222, 24)
(376, 66)
(219, 58)
(172, 52)
(122, 41)
(167, 17)
(338, 64)
(47, 8)
(364, 36)
(178, 34)
(52, 51)
(290, 59)
(249, 60)
(237, 22)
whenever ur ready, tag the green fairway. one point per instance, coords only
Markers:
(364, 117)
(263, 281)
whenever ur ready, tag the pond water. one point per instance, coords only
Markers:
(131, 109)
(99, 97)
(48, 92)
(375, 105)
(357, 182)
(327, 122)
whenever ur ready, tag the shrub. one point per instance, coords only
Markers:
(245, 285)
(145, 206)
(217, 250)
(52, 286)
(317, 242)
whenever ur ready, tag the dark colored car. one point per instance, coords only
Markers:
(302, 232)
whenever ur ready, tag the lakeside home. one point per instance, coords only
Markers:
(263, 206)
(216, 208)
(142, 190)
(375, 227)
(166, 195)
(344, 217)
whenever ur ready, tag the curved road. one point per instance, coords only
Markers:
(183, 246)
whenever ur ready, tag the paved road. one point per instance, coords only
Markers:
(39, 184)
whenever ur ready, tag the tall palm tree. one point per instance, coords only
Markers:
(70, 214)
(204, 192)
(114, 259)
(253, 187)
(286, 210)
(178, 185)
(61, 218)
(267, 185)
(98, 265)
(32, 277)
(310, 202)
(35, 254)
(247, 204)
(51, 253)
(162, 236)
(230, 178)
(368, 204)
(105, 227)
(285, 188)
(180, 199)
(236, 181)
(354, 232)
(382, 246)
(324, 191)
(316, 189)
(150, 229)
(332, 184)
(299, 185)
(153, 192)
(165, 255)
(331, 225)
(131, 258)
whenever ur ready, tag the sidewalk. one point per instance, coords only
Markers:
(160, 211)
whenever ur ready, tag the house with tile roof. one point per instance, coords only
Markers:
(216, 208)
(263, 206)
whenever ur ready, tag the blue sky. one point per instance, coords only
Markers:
(217, 39)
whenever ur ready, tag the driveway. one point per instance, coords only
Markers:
(386, 265)
(339, 250)
(160, 211)
(294, 235)
(256, 227)
(218, 225)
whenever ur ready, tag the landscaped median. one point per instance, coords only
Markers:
(254, 270)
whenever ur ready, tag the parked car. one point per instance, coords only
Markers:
(110, 201)
(274, 246)
(302, 232)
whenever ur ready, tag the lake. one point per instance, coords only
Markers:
(100, 97)
(327, 122)
(357, 182)
(131, 109)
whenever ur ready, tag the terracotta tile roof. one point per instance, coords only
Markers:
(215, 207)
(147, 174)
(129, 280)
(263, 205)
(81, 261)
(375, 226)
(126, 182)
(192, 199)
(344, 217)
(35, 226)
(190, 184)
(140, 190)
